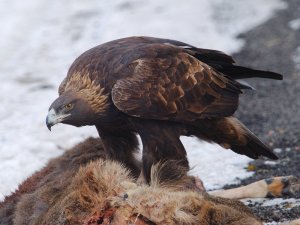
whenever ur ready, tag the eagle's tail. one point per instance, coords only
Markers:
(240, 72)
(230, 133)
(225, 64)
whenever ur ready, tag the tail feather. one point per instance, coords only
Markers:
(254, 148)
(232, 134)
(239, 72)
(225, 64)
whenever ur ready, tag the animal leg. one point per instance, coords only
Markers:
(271, 187)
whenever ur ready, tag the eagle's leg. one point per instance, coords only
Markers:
(122, 147)
(160, 143)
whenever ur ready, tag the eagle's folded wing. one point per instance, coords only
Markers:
(177, 87)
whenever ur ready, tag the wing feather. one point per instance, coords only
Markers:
(176, 87)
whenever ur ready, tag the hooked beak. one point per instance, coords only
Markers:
(53, 118)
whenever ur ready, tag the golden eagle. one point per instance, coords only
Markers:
(160, 89)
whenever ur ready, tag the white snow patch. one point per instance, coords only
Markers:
(297, 58)
(210, 24)
(292, 202)
(215, 165)
(295, 24)
(39, 41)
(235, 17)
(277, 150)
(281, 202)
(272, 223)
(270, 163)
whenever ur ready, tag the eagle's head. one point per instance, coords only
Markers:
(70, 108)
(81, 102)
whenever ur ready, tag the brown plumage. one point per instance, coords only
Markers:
(160, 89)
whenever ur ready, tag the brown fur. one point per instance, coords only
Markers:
(44, 187)
(81, 187)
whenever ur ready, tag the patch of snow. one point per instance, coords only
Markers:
(297, 58)
(235, 17)
(295, 24)
(215, 165)
(277, 150)
(288, 149)
(282, 202)
(272, 223)
(212, 24)
(39, 41)
(270, 163)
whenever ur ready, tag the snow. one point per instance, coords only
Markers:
(295, 24)
(272, 223)
(215, 165)
(270, 163)
(277, 150)
(39, 41)
(297, 58)
(291, 202)
(287, 203)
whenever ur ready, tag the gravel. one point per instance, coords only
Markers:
(272, 112)
(287, 164)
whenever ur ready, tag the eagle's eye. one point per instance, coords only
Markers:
(68, 106)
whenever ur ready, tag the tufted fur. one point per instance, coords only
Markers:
(81, 187)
